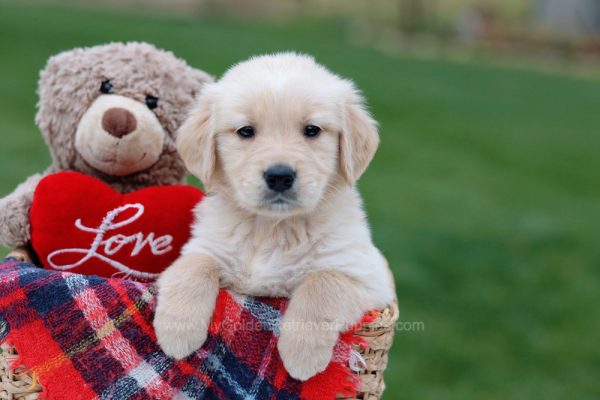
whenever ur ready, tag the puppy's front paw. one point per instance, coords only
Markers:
(305, 347)
(187, 292)
(178, 336)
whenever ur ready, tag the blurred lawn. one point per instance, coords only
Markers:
(485, 195)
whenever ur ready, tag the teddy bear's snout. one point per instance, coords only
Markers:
(118, 122)
(119, 136)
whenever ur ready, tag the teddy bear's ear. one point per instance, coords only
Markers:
(359, 139)
(196, 140)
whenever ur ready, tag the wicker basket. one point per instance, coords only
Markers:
(378, 334)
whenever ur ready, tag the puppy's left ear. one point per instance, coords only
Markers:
(358, 141)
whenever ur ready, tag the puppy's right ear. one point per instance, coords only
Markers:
(196, 139)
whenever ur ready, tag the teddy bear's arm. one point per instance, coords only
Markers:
(14, 213)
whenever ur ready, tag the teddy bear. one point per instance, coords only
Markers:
(110, 112)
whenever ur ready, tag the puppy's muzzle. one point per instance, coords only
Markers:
(280, 178)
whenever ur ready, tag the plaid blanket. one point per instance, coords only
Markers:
(87, 337)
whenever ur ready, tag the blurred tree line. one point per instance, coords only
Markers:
(571, 23)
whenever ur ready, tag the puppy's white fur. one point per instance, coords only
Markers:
(313, 246)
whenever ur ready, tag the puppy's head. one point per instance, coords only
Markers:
(278, 134)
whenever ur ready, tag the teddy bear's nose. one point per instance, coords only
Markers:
(118, 122)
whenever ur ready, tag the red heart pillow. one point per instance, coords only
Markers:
(80, 224)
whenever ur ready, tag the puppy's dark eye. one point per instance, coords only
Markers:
(311, 131)
(105, 87)
(246, 132)
(152, 102)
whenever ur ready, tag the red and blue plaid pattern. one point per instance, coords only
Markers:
(87, 337)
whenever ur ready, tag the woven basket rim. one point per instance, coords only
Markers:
(383, 323)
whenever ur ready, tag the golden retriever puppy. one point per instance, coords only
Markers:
(279, 142)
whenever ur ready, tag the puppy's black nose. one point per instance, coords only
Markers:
(279, 178)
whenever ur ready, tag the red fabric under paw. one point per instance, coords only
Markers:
(80, 224)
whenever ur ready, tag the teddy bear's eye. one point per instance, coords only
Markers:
(152, 102)
(106, 87)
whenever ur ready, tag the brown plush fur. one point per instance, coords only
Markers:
(68, 86)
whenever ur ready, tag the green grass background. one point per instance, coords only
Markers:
(484, 195)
